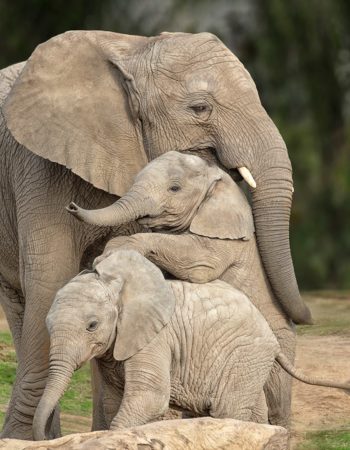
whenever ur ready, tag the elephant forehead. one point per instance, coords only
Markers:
(180, 49)
(178, 163)
(82, 287)
(201, 63)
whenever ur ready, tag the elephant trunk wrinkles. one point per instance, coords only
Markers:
(130, 207)
(271, 208)
(260, 147)
(60, 373)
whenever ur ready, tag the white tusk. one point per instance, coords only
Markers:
(293, 189)
(247, 176)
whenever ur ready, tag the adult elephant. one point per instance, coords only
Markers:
(101, 104)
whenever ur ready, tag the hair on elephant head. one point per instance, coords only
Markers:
(125, 302)
(111, 102)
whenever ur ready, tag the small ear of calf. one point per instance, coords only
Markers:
(225, 213)
(146, 302)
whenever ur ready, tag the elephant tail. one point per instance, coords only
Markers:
(299, 375)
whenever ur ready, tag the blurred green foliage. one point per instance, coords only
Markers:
(298, 52)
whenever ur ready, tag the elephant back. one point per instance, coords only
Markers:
(217, 304)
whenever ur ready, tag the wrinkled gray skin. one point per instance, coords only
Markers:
(184, 194)
(203, 347)
(103, 104)
(39, 253)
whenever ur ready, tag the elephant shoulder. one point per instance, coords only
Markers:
(215, 295)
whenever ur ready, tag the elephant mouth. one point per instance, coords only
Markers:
(145, 221)
(209, 154)
(235, 175)
(159, 222)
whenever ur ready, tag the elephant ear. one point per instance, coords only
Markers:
(146, 302)
(225, 212)
(74, 104)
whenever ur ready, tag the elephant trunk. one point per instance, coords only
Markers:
(260, 149)
(60, 373)
(271, 201)
(128, 208)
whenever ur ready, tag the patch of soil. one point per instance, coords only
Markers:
(314, 407)
(3, 322)
(3, 351)
(75, 424)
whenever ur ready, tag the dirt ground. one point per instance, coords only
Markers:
(323, 351)
(316, 408)
(3, 322)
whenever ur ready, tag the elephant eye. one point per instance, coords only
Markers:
(201, 109)
(92, 325)
(175, 188)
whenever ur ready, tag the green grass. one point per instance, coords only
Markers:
(326, 440)
(7, 369)
(76, 400)
(5, 339)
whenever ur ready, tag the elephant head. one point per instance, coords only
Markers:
(122, 305)
(103, 104)
(179, 192)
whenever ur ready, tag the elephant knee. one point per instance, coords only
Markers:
(157, 404)
(260, 411)
(202, 275)
(141, 408)
(278, 391)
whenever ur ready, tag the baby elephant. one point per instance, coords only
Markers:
(202, 347)
(203, 230)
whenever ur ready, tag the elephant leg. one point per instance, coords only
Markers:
(48, 262)
(98, 416)
(12, 303)
(106, 399)
(185, 256)
(147, 387)
(140, 408)
(112, 399)
(108, 388)
(278, 388)
(260, 411)
(239, 391)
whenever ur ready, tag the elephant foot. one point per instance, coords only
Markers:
(25, 432)
(22, 429)
(18, 431)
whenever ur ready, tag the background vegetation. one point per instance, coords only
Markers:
(297, 51)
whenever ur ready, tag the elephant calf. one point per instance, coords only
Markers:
(203, 347)
(203, 230)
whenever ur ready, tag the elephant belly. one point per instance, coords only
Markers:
(195, 401)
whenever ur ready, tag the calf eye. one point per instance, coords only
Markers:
(175, 188)
(199, 108)
(92, 325)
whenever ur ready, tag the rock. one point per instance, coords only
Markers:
(190, 434)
